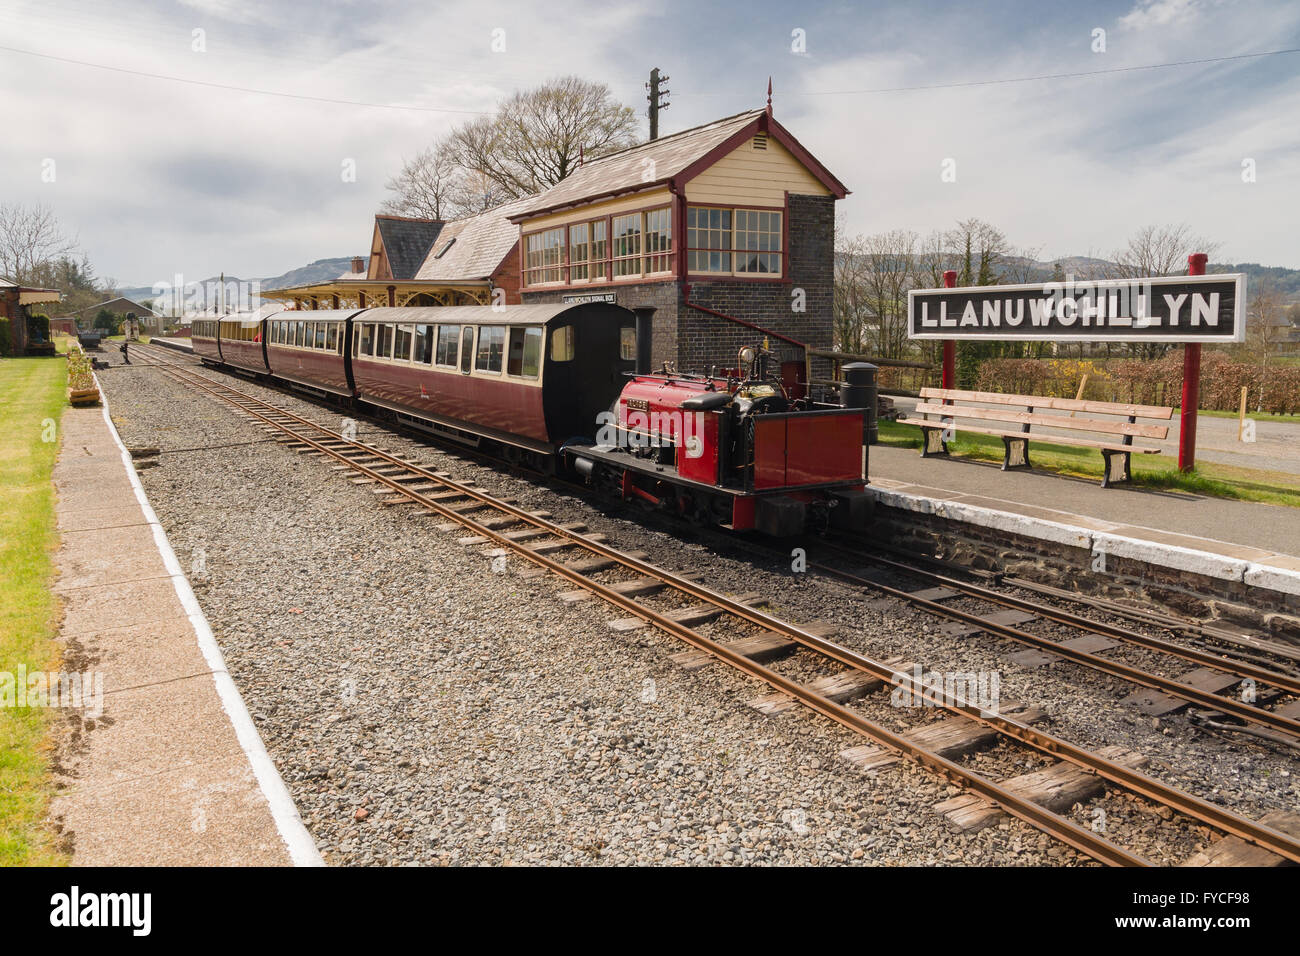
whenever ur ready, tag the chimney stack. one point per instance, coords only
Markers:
(358, 264)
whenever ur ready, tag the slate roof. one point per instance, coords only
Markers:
(625, 170)
(482, 241)
(121, 305)
(407, 242)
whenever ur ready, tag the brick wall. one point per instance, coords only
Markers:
(706, 340)
(693, 340)
(13, 313)
(507, 276)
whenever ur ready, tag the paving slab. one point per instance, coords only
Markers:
(161, 765)
(1244, 540)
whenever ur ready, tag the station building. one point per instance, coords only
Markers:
(15, 312)
(728, 229)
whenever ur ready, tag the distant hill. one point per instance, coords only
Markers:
(1286, 280)
(317, 271)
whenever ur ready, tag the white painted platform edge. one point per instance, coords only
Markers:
(1251, 573)
(302, 848)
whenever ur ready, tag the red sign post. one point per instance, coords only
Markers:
(950, 346)
(1191, 384)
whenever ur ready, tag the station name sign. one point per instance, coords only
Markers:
(1167, 309)
(590, 297)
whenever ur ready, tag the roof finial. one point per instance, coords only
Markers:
(769, 96)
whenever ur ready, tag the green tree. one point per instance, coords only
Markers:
(109, 322)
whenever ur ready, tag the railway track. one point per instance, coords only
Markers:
(1274, 707)
(735, 631)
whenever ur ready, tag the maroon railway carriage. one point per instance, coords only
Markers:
(308, 349)
(203, 339)
(557, 385)
(240, 342)
(519, 379)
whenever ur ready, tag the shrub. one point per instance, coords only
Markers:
(1273, 389)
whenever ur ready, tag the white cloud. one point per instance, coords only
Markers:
(1159, 13)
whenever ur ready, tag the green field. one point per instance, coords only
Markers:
(1152, 471)
(1258, 416)
(31, 391)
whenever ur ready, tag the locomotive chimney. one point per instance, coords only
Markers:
(645, 327)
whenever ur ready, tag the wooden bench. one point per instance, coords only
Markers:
(1025, 411)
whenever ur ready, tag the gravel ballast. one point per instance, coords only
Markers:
(424, 709)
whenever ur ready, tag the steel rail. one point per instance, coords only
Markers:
(1248, 713)
(1219, 817)
(1166, 622)
(1241, 669)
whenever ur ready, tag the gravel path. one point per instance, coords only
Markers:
(425, 710)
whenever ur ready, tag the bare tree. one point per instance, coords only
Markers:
(30, 239)
(1159, 251)
(433, 186)
(851, 316)
(891, 272)
(1020, 265)
(535, 140)
(1267, 327)
(935, 259)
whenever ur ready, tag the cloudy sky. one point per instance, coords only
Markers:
(157, 176)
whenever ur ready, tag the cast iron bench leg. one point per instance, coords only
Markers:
(1015, 452)
(1117, 468)
(932, 442)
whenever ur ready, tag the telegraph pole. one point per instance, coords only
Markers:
(655, 95)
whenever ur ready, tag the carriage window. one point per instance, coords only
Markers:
(367, 337)
(423, 351)
(532, 352)
(309, 334)
(491, 341)
(332, 336)
(279, 333)
(627, 343)
(299, 331)
(402, 343)
(383, 341)
(562, 344)
(466, 348)
(525, 352)
(320, 335)
(448, 336)
(515, 354)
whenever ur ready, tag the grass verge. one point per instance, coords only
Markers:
(1151, 471)
(32, 394)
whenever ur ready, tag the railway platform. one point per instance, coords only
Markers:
(1251, 547)
(162, 764)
